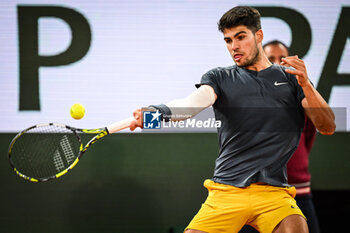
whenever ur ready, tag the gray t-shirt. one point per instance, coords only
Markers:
(262, 119)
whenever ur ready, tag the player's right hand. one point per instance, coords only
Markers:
(137, 122)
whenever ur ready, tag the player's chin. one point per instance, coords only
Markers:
(240, 64)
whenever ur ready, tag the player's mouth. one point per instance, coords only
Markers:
(237, 57)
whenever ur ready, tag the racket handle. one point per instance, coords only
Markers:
(120, 125)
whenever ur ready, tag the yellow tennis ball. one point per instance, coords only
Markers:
(77, 111)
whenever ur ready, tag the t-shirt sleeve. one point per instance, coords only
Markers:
(210, 78)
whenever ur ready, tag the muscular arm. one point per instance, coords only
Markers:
(185, 108)
(315, 107)
(318, 110)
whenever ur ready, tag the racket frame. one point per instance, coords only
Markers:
(101, 132)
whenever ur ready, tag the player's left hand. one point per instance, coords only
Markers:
(300, 69)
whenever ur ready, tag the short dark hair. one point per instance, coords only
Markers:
(276, 42)
(240, 15)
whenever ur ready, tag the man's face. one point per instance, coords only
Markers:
(275, 53)
(241, 42)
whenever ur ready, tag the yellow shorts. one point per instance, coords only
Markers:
(228, 208)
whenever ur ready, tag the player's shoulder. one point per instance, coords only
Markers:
(219, 71)
(280, 71)
(281, 68)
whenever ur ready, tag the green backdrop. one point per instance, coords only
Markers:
(138, 183)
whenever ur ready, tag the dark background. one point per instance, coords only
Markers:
(151, 183)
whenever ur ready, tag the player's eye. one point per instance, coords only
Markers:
(240, 37)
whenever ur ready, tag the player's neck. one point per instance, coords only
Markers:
(261, 64)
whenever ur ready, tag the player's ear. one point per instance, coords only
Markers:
(259, 35)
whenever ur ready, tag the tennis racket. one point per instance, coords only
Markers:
(48, 151)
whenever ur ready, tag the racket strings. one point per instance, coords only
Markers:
(45, 151)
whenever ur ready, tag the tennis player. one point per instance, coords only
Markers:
(261, 107)
(297, 167)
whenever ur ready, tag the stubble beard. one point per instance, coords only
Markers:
(253, 60)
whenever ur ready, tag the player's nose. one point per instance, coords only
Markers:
(234, 47)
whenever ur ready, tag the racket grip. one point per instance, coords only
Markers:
(120, 125)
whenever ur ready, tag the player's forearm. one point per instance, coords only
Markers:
(318, 110)
(181, 109)
(193, 104)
